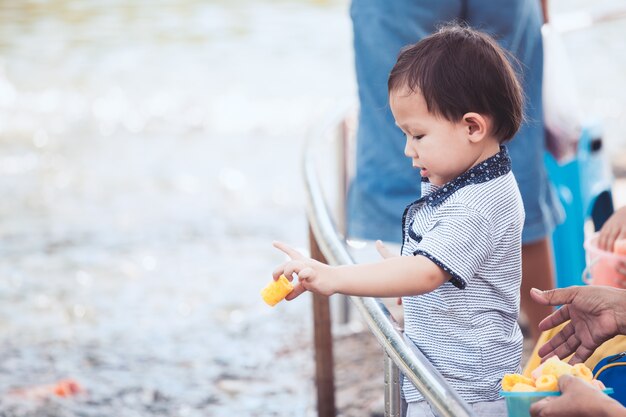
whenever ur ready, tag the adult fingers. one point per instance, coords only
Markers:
(291, 252)
(607, 238)
(611, 238)
(557, 340)
(581, 355)
(570, 346)
(541, 407)
(557, 317)
(567, 381)
(555, 297)
(383, 250)
(603, 237)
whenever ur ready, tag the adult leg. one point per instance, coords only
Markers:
(385, 183)
(537, 272)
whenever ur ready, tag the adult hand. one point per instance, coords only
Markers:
(577, 399)
(596, 314)
(614, 228)
(312, 275)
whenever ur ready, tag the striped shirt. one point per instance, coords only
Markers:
(471, 227)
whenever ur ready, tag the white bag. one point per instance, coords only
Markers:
(561, 106)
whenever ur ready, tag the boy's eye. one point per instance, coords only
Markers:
(418, 137)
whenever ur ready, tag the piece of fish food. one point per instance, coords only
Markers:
(276, 291)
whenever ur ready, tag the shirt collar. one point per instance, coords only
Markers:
(491, 168)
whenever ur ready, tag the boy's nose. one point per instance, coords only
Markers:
(408, 150)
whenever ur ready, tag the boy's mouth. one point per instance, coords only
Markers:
(423, 171)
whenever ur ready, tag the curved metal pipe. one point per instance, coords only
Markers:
(414, 365)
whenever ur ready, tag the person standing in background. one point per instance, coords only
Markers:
(383, 187)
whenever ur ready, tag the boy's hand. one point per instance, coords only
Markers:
(386, 254)
(383, 250)
(312, 275)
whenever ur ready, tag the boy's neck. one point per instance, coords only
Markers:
(490, 147)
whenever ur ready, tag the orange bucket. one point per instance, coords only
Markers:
(603, 266)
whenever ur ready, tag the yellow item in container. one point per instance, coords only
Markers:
(275, 291)
(580, 370)
(555, 366)
(510, 380)
(547, 383)
(521, 387)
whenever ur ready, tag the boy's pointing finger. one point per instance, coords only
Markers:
(291, 252)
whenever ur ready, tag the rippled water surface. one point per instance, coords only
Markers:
(149, 154)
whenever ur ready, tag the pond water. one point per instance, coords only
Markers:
(149, 154)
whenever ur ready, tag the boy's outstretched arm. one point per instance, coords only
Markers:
(392, 277)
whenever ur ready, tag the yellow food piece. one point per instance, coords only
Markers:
(509, 381)
(521, 387)
(555, 366)
(275, 291)
(580, 370)
(545, 377)
(547, 383)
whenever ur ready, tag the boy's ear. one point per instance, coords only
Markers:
(476, 126)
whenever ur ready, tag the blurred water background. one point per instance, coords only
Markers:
(149, 154)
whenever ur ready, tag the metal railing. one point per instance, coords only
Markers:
(398, 356)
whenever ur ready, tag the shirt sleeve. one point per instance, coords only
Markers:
(460, 242)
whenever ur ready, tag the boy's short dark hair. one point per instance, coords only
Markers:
(460, 70)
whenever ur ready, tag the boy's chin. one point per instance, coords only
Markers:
(438, 182)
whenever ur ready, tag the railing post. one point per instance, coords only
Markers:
(393, 402)
(343, 141)
(324, 373)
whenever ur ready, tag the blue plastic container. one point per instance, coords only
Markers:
(583, 186)
(518, 403)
